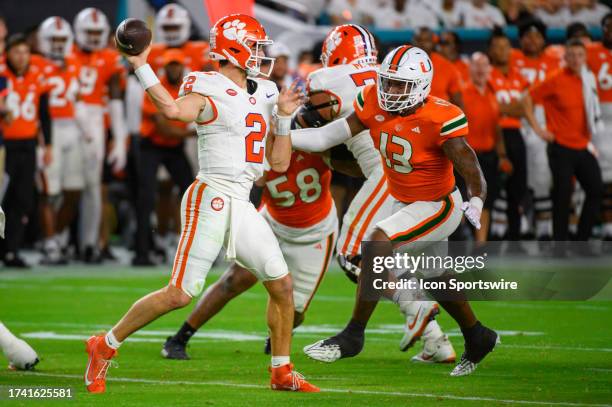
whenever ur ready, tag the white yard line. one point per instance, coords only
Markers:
(328, 390)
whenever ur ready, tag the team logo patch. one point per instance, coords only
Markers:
(379, 118)
(217, 203)
(234, 30)
(398, 127)
(252, 100)
(231, 92)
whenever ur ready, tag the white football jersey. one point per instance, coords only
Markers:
(231, 131)
(345, 81)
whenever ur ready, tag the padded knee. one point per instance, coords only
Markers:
(274, 269)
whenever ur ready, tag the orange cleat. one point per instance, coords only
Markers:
(285, 378)
(100, 355)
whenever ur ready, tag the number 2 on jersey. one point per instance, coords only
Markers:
(253, 147)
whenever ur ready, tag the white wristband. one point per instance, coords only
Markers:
(282, 125)
(476, 202)
(146, 76)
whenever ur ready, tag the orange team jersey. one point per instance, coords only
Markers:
(482, 112)
(534, 70)
(446, 79)
(561, 96)
(196, 56)
(508, 89)
(63, 85)
(411, 146)
(97, 68)
(600, 62)
(300, 197)
(22, 101)
(148, 128)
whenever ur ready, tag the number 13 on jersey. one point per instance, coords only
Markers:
(396, 152)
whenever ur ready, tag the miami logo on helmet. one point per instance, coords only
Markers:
(424, 68)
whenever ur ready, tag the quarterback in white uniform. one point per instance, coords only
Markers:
(349, 63)
(233, 114)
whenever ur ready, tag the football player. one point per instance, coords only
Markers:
(600, 62)
(233, 110)
(100, 77)
(535, 64)
(299, 207)
(420, 139)
(349, 64)
(65, 173)
(27, 101)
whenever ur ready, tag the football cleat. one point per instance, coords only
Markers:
(174, 349)
(416, 323)
(287, 379)
(475, 351)
(100, 355)
(438, 350)
(337, 347)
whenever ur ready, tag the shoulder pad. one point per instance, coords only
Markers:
(204, 83)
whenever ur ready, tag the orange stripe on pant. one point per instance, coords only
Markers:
(362, 210)
(193, 220)
(328, 252)
(366, 223)
(452, 205)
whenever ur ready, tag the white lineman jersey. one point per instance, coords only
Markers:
(345, 82)
(232, 130)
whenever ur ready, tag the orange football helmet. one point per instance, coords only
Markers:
(349, 43)
(240, 39)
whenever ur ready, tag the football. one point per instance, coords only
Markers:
(132, 36)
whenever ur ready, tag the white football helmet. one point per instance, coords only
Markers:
(404, 78)
(55, 38)
(91, 29)
(172, 25)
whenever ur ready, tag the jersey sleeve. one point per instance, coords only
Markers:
(453, 123)
(204, 83)
(363, 103)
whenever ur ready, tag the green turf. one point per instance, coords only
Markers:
(569, 362)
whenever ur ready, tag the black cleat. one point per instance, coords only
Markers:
(476, 349)
(13, 260)
(268, 346)
(174, 349)
(337, 347)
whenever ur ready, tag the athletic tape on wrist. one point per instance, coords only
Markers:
(146, 76)
(282, 125)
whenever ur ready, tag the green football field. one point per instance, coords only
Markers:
(552, 353)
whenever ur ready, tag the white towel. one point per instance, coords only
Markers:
(591, 101)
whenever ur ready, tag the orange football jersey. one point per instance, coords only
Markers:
(446, 79)
(411, 146)
(508, 88)
(96, 70)
(534, 70)
(63, 85)
(600, 62)
(22, 100)
(148, 128)
(196, 56)
(300, 197)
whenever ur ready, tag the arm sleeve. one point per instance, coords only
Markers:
(322, 138)
(45, 118)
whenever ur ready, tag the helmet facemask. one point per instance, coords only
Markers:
(257, 57)
(398, 94)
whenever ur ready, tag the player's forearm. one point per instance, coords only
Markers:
(279, 157)
(316, 140)
(466, 163)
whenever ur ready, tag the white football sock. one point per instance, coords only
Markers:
(91, 213)
(607, 229)
(432, 331)
(111, 341)
(544, 228)
(6, 336)
(278, 361)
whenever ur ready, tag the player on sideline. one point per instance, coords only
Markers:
(100, 76)
(64, 176)
(349, 63)
(420, 140)
(299, 207)
(233, 111)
